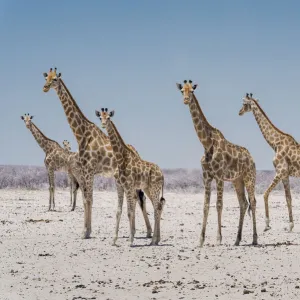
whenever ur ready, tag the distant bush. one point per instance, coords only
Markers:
(176, 180)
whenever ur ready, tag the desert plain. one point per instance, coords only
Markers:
(44, 257)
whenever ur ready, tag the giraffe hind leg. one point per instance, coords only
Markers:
(142, 204)
(288, 196)
(243, 203)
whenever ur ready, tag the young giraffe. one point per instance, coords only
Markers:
(95, 154)
(73, 168)
(56, 157)
(222, 161)
(287, 154)
(134, 173)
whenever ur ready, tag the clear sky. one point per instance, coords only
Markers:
(128, 55)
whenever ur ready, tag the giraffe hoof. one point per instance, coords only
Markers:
(149, 235)
(237, 243)
(267, 228)
(86, 234)
(254, 243)
(201, 243)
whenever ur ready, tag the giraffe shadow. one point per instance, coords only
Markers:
(279, 244)
(148, 245)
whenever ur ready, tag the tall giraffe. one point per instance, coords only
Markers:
(56, 157)
(222, 161)
(134, 173)
(287, 154)
(95, 153)
(73, 168)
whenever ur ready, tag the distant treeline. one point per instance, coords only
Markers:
(189, 180)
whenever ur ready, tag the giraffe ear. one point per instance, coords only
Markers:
(97, 113)
(31, 117)
(22, 118)
(59, 75)
(195, 86)
(111, 114)
(45, 75)
(179, 86)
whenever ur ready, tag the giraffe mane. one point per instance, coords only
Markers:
(198, 106)
(262, 111)
(46, 136)
(124, 144)
(74, 102)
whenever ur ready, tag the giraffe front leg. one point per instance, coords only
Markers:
(220, 187)
(51, 189)
(131, 203)
(75, 191)
(71, 189)
(88, 201)
(207, 184)
(120, 192)
(288, 196)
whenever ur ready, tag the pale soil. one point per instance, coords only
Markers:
(49, 260)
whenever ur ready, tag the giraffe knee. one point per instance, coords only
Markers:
(219, 205)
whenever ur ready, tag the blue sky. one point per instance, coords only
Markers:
(128, 55)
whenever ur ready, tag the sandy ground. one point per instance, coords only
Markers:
(47, 259)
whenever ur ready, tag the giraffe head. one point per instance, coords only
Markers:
(51, 79)
(67, 145)
(248, 104)
(187, 89)
(27, 119)
(104, 115)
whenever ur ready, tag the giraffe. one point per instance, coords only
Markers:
(134, 173)
(287, 155)
(95, 154)
(73, 168)
(56, 157)
(222, 161)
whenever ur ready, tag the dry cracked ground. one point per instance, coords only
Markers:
(44, 257)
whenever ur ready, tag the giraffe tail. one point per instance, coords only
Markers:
(249, 208)
(142, 198)
(162, 199)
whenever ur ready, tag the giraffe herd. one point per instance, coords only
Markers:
(109, 156)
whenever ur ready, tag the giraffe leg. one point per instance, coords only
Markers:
(220, 187)
(142, 204)
(158, 205)
(131, 204)
(88, 200)
(207, 184)
(288, 196)
(250, 186)
(51, 189)
(75, 191)
(120, 192)
(71, 190)
(276, 179)
(240, 191)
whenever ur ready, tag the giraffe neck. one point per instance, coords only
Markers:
(203, 129)
(272, 134)
(119, 147)
(45, 143)
(77, 120)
